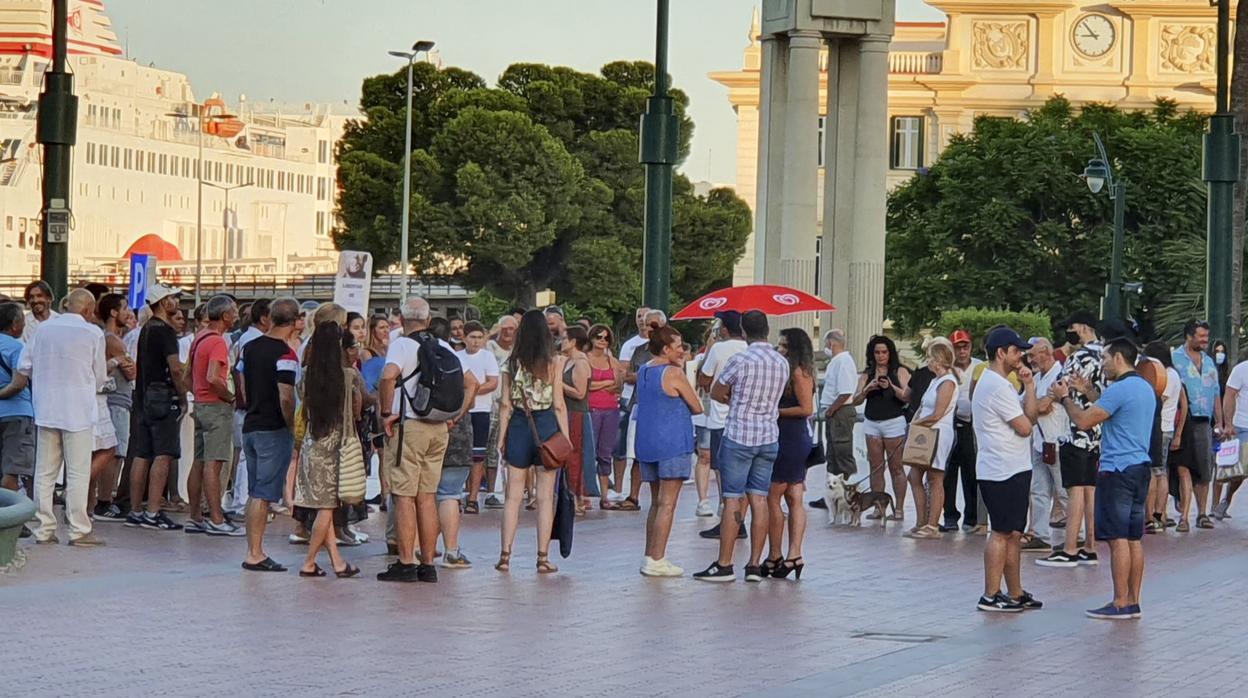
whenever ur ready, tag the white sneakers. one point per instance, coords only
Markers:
(660, 568)
(705, 508)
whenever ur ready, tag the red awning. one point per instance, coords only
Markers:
(155, 246)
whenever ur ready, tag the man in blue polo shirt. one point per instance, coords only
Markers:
(1125, 410)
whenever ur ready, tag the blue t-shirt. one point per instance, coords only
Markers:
(1125, 436)
(19, 405)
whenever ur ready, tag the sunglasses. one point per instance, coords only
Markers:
(601, 336)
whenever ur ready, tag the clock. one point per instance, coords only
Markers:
(1093, 35)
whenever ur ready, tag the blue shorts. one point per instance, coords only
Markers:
(715, 438)
(451, 486)
(522, 451)
(746, 469)
(268, 458)
(1120, 496)
(675, 468)
(702, 438)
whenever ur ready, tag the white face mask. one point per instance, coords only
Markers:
(1220, 358)
(827, 351)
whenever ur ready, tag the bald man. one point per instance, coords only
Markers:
(65, 364)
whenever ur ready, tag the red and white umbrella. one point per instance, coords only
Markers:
(772, 300)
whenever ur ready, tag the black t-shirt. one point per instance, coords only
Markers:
(267, 362)
(157, 342)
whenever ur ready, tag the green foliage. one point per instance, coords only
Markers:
(978, 321)
(1002, 215)
(532, 184)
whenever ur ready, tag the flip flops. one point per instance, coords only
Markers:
(265, 565)
(317, 572)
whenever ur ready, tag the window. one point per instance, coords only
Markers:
(320, 188)
(216, 172)
(90, 153)
(320, 223)
(151, 162)
(823, 124)
(322, 152)
(129, 160)
(907, 143)
(116, 156)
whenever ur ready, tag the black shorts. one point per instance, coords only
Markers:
(154, 438)
(1078, 466)
(1007, 502)
(1120, 496)
(480, 434)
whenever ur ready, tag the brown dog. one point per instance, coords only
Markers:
(860, 501)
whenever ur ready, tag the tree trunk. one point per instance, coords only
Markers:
(1239, 106)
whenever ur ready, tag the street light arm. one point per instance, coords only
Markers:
(1109, 167)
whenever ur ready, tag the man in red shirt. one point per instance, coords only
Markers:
(208, 367)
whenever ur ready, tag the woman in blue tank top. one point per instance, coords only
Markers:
(666, 403)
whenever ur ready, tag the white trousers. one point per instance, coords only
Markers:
(73, 448)
(1046, 484)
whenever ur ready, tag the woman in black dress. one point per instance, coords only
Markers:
(788, 475)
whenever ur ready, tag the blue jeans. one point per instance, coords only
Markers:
(268, 458)
(451, 486)
(746, 469)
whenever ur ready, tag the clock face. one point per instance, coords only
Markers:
(1093, 35)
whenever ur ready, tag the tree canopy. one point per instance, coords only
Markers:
(1003, 217)
(532, 184)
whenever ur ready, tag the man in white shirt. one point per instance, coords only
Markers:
(65, 364)
(1003, 467)
(38, 297)
(727, 341)
(484, 368)
(962, 458)
(840, 380)
(1046, 474)
(630, 345)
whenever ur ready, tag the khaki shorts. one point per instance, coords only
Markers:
(416, 468)
(214, 431)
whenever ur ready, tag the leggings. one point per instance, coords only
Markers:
(606, 432)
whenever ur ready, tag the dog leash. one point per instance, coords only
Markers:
(876, 469)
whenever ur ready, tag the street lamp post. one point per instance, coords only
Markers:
(199, 190)
(1221, 172)
(660, 136)
(1097, 174)
(225, 228)
(410, 57)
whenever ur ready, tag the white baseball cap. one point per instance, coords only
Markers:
(158, 292)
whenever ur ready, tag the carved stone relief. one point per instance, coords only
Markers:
(1187, 48)
(1000, 45)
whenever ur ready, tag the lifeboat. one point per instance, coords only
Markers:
(214, 125)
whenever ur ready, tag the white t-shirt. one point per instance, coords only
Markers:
(404, 352)
(483, 366)
(1054, 424)
(716, 357)
(626, 354)
(841, 378)
(32, 324)
(1238, 381)
(691, 373)
(1002, 453)
(963, 410)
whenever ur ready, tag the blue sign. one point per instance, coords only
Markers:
(140, 279)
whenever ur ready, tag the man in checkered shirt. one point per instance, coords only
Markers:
(750, 384)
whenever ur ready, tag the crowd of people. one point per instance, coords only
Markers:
(1057, 447)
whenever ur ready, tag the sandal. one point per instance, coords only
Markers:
(265, 565)
(530, 504)
(472, 507)
(1183, 527)
(347, 572)
(629, 504)
(317, 572)
(770, 566)
(607, 505)
(544, 565)
(504, 561)
(1203, 521)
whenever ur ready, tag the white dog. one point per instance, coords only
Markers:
(837, 499)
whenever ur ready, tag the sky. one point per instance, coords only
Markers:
(297, 51)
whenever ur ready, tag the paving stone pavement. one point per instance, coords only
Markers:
(875, 614)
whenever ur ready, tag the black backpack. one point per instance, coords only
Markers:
(438, 395)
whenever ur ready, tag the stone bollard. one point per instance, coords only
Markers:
(15, 510)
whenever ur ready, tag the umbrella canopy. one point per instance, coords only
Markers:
(773, 300)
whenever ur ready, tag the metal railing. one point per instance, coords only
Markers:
(315, 287)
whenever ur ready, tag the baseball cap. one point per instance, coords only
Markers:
(960, 336)
(731, 320)
(1081, 317)
(1117, 329)
(158, 292)
(1003, 337)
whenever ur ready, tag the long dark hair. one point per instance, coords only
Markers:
(324, 386)
(534, 350)
(798, 350)
(894, 361)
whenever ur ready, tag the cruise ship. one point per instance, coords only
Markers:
(142, 136)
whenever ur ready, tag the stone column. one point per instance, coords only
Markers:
(798, 215)
(840, 152)
(864, 315)
(773, 94)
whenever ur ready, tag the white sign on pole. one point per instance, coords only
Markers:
(353, 281)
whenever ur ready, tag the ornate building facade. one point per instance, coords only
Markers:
(1002, 59)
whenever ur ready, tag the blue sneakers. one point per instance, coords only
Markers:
(1111, 612)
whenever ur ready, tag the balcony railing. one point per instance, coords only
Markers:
(914, 62)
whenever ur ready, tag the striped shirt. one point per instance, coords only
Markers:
(757, 377)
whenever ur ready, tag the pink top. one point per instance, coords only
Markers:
(602, 399)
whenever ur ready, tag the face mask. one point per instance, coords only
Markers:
(1220, 358)
(827, 352)
(1072, 337)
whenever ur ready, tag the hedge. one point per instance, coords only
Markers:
(978, 321)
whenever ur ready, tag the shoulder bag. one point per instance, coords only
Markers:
(920, 449)
(556, 450)
(352, 475)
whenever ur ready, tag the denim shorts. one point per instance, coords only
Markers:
(746, 469)
(702, 438)
(268, 458)
(522, 450)
(1120, 497)
(676, 468)
(451, 486)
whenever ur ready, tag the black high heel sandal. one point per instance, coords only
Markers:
(794, 565)
(772, 566)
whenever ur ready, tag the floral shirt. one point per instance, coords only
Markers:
(1086, 362)
(1201, 382)
(540, 394)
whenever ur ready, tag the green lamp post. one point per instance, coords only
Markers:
(1097, 174)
